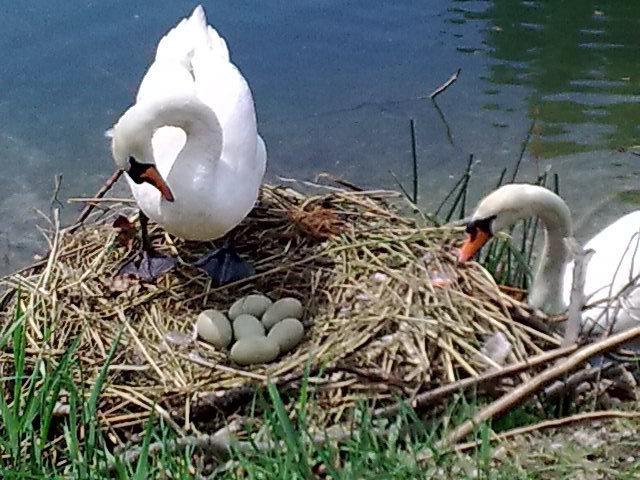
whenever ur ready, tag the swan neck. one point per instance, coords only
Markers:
(194, 118)
(546, 292)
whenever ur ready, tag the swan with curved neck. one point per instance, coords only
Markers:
(189, 145)
(613, 267)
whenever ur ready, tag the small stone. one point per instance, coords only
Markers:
(247, 326)
(287, 333)
(215, 328)
(252, 350)
(287, 307)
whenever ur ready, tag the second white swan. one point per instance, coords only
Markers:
(615, 265)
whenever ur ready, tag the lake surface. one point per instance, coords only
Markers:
(335, 84)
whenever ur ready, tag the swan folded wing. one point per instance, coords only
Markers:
(616, 261)
(221, 86)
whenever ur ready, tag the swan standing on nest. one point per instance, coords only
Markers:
(190, 148)
(614, 266)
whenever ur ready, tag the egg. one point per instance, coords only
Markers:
(252, 350)
(287, 333)
(247, 326)
(213, 327)
(287, 307)
(236, 308)
(254, 304)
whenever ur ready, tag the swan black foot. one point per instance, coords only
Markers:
(224, 266)
(147, 265)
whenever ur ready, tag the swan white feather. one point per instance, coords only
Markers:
(194, 119)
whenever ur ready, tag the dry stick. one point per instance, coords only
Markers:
(445, 85)
(577, 300)
(559, 388)
(443, 391)
(217, 445)
(340, 181)
(525, 390)
(544, 425)
(101, 193)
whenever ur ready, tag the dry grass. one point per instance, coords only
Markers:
(389, 312)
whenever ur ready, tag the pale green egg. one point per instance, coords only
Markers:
(254, 304)
(287, 307)
(247, 326)
(253, 350)
(287, 333)
(214, 327)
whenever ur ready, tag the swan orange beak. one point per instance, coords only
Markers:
(152, 176)
(472, 244)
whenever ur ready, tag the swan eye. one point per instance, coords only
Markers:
(482, 224)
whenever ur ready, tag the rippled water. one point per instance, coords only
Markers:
(335, 84)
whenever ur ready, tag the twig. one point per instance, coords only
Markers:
(440, 392)
(340, 181)
(218, 445)
(413, 199)
(544, 425)
(89, 208)
(44, 279)
(55, 202)
(100, 200)
(414, 158)
(404, 191)
(518, 395)
(558, 388)
(581, 260)
(444, 122)
(461, 197)
(445, 85)
(523, 148)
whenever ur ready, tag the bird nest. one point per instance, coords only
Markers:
(388, 311)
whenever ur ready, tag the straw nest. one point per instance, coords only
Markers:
(389, 312)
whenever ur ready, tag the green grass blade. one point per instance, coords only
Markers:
(91, 405)
(142, 467)
(290, 438)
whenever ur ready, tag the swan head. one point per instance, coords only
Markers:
(506, 206)
(132, 151)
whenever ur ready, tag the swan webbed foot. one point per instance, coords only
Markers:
(224, 266)
(147, 265)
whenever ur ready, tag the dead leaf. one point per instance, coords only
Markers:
(126, 231)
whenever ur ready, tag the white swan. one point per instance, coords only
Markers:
(189, 145)
(614, 265)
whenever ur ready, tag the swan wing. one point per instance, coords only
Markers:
(615, 262)
(172, 71)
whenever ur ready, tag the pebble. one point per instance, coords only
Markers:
(245, 326)
(215, 328)
(252, 350)
(287, 307)
(254, 304)
(287, 333)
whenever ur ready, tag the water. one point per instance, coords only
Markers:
(335, 84)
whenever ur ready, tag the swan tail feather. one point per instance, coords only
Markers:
(189, 35)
